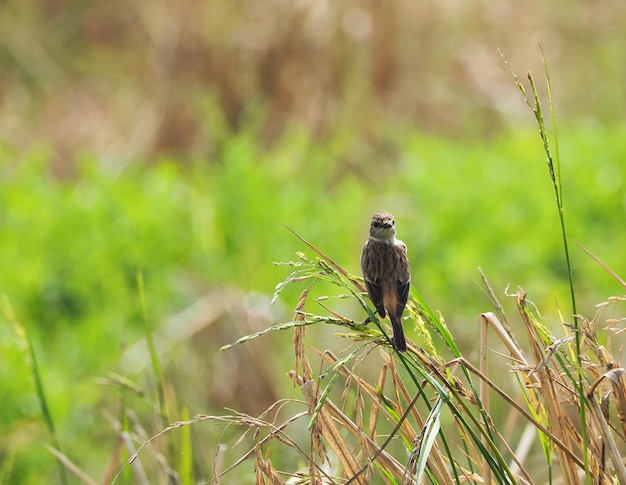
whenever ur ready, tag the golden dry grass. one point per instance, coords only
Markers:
(437, 413)
(528, 409)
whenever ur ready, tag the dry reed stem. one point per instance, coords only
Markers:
(71, 466)
(549, 390)
(456, 388)
(330, 413)
(607, 439)
(559, 421)
(511, 402)
(436, 461)
(559, 398)
(484, 389)
(329, 431)
(553, 406)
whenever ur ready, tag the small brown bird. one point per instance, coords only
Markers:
(387, 273)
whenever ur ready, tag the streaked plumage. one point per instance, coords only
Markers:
(387, 273)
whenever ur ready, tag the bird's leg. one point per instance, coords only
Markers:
(368, 319)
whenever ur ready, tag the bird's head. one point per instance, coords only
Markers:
(383, 227)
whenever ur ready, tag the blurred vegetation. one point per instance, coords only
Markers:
(133, 82)
(173, 140)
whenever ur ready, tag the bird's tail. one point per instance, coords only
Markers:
(399, 341)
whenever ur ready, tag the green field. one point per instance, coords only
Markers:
(71, 249)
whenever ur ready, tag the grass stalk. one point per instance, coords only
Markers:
(154, 356)
(30, 357)
(554, 168)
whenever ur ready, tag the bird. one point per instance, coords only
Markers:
(387, 273)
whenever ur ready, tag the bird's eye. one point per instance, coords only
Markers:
(376, 224)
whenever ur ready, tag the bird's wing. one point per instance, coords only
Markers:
(404, 277)
(375, 292)
(403, 296)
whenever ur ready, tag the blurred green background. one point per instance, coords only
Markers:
(171, 140)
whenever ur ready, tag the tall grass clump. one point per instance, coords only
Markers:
(431, 412)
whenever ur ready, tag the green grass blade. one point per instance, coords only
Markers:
(554, 167)
(428, 437)
(154, 356)
(185, 471)
(28, 352)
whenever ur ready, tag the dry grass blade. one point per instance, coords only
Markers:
(71, 466)
(376, 398)
(493, 299)
(392, 410)
(560, 399)
(139, 472)
(484, 388)
(240, 419)
(359, 407)
(329, 430)
(511, 402)
(603, 265)
(607, 439)
(110, 470)
(376, 453)
(560, 424)
(418, 384)
(437, 463)
(512, 347)
(488, 439)
(552, 390)
(277, 432)
(619, 395)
